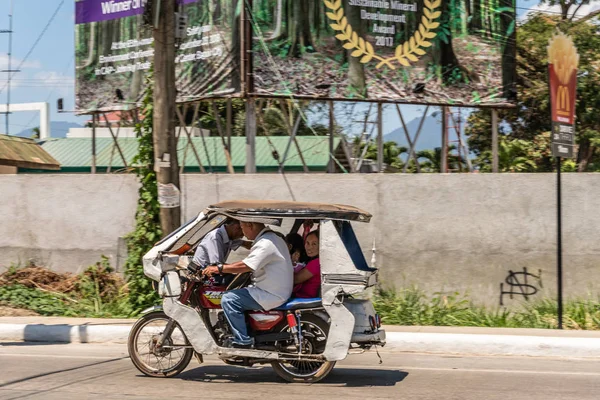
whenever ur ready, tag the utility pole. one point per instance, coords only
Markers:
(165, 145)
(9, 70)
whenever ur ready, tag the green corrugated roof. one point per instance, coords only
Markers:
(76, 153)
(25, 153)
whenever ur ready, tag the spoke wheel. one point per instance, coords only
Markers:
(165, 361)
(314, 332)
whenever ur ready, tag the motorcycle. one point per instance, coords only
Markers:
(302, 339)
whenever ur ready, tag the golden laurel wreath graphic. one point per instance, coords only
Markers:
(405, 52)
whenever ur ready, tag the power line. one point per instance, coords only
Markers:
(41, 35)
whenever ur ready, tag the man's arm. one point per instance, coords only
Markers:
(235, 268)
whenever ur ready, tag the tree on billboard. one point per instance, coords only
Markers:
(448, 60)
(299, 29)
(356, 69)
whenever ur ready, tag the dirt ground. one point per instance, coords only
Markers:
(6, 311)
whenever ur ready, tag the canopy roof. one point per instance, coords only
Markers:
(25, 153)
(250, 209)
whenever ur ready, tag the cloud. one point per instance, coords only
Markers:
(555, 10)
(34, 64)
(42, 82)
(64, 85)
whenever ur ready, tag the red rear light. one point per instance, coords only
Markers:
(372, 322)
(378, 320)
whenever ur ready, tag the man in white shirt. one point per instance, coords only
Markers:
(272, 280)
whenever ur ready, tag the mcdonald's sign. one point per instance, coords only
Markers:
(563, 97)
(562, 72)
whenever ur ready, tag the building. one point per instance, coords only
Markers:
(201, 153)
(21, 154)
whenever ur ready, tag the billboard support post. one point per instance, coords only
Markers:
(94, 119)
(229, 115)
(444, 155)
(495, 166)
(251, 135)
(331, 165)
(379, 137)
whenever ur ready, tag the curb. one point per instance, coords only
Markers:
(414, 342)
(493, 345)
(115, 334)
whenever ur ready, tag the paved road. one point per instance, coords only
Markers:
(76, 371)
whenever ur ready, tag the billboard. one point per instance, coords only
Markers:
(447, 52)
(114, 51)
(441, 52)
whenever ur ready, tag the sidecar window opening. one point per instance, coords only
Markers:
(176, 231)
(211, 224)
(297, 226)
(350, 241)
(197, 233)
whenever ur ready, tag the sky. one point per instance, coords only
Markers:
(49, 72)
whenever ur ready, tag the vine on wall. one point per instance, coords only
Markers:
(147, 218)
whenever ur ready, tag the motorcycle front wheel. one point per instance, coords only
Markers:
(163, 361)
(315, 332)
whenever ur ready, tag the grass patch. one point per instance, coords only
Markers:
(412, 307)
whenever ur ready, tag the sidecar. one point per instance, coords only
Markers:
(345, 273)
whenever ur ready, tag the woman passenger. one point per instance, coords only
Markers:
(308, 279)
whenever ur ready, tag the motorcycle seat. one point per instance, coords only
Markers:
(300, 304)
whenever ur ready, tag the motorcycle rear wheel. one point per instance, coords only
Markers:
(307, 371)
(158, 362)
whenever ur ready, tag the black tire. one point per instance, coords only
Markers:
(133, 346)
(307, 371)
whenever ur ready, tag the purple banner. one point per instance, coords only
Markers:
(87, 11)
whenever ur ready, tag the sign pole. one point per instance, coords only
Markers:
(562, 78)
(559, 244)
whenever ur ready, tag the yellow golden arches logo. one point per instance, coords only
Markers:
(562, 100)
(405, 52)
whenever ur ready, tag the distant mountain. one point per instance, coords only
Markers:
(429, 138)
(431, 134)
(58, 129)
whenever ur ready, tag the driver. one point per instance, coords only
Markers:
(217, 244)
(272, 280)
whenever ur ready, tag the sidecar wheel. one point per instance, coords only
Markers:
(307, 371)
(164, 362)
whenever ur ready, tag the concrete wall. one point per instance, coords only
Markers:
(441, 232)
(64, 221)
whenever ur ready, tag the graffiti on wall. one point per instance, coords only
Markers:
(520, 283)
